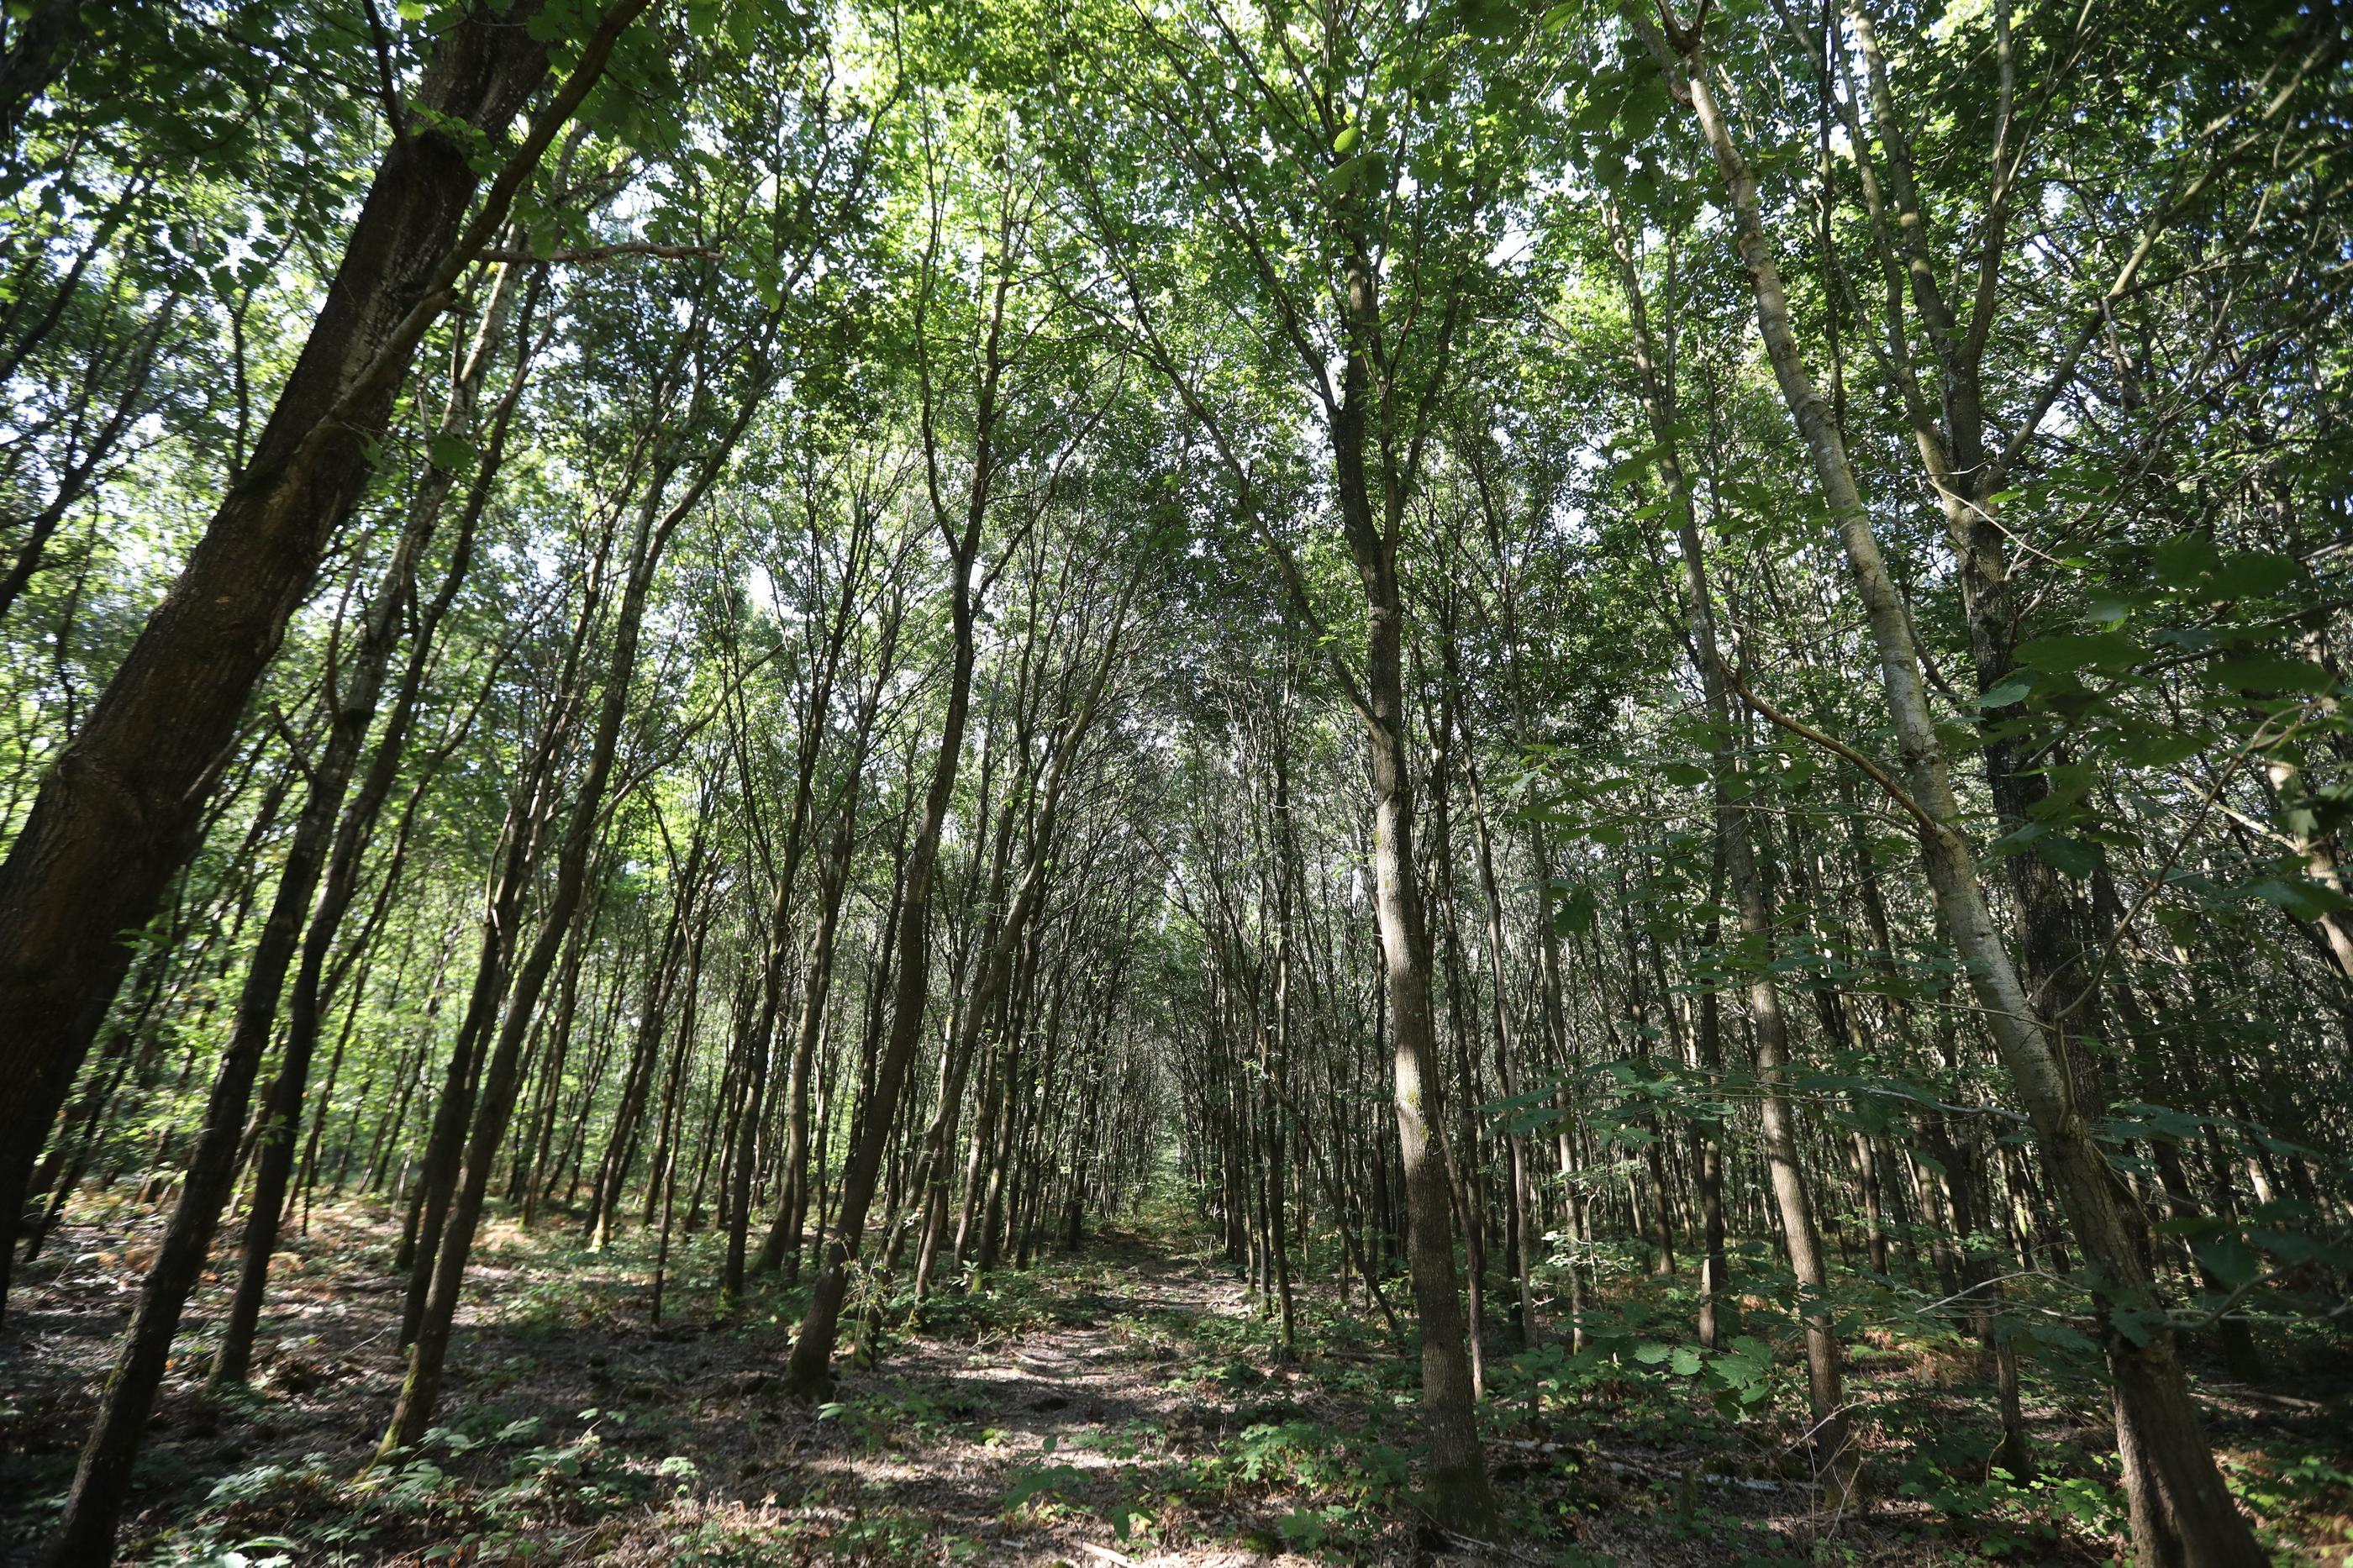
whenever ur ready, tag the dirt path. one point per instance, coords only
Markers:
(1085, 1410)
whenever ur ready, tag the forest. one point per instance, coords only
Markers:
(1175, 782)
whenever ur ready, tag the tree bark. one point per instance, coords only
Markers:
(2183, 1515)
(112, 819)
(429, 1353)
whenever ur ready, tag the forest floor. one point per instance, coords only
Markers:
(1124, 1405)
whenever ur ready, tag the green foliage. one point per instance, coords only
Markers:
(2006, 1520)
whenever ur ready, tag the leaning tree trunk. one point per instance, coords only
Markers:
(282, 1108)
(115, 815)
(85, 1530)
(495, 1104)
(809, 1373)
(2182, 1514)
(47, 32)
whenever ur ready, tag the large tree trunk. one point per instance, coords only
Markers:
(47, 32)
(115, 815)
(85, 1530)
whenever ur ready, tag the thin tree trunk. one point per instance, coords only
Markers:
(2183, 1515)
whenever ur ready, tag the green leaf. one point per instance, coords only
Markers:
(1345, 176)
(1650, 1352)
(2252, 573)
(2079, 650)
(2162, 750)
(1685, 1361)
(450, 453)
(2306, 900)
(2181, 562)
(2066, 853)
(2270, 672)
(2230, 1260)
(1575, 913)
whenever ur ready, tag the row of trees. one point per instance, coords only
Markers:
(1514, 626)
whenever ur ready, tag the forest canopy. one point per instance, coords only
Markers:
(1558, 783)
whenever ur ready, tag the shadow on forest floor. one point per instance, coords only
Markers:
(1125, 1404)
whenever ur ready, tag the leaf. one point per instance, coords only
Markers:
(1685, 1361)
(2080, 650)
(2230, 1260)
(1575, 913)
(450, 453)
(1345, 175)
(2067, 853)
(1047, 1478)
(2056, 1336)
(2162, 750)
(2270, 672)
(2135, 1323)
(1347, 139)
(2306, 900)
(1650, 1352)
(2252, 573)
(2182, 561)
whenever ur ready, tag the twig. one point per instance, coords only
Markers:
(603, 253)
(2157, 883)
(1879, 775)
(1741, 1483)
(396, 116)
(1488, 1550)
